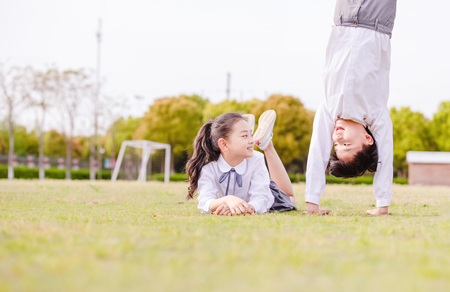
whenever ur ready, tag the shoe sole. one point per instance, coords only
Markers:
(266, 121)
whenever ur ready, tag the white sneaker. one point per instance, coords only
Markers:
(264, 134)
(251, 120)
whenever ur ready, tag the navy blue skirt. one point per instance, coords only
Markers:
(282, 202)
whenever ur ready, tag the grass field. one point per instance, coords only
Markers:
(145, 237)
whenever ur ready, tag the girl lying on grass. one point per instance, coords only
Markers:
(231, 178)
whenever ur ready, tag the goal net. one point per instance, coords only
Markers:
(142, 160)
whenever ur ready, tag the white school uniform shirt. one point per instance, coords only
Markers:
(356, 79)
(255, 183)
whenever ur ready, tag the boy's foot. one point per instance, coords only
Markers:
(379, 211)
(251, 120)
(264, 133)
(314, 209)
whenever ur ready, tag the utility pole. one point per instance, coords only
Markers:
(96, 97)
(228, 84)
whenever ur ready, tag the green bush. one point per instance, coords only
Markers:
(401, 180)
(83, 174)
(52, 173)
(173, 177)
(368, 180)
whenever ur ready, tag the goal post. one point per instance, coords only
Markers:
(147, 148)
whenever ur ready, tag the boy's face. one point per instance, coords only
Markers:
(349, 138)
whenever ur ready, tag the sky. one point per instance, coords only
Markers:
(160, 48)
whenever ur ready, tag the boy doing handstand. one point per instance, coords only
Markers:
(354, 115)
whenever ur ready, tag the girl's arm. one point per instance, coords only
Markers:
(319, 155)
(207, 195)
(261, 199)
(382, 182)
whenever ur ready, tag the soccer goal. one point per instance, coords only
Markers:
(140, 163)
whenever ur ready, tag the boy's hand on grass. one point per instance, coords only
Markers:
(314, 209)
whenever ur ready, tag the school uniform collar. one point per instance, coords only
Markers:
(225, 167)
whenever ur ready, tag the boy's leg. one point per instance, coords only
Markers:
(278, 172)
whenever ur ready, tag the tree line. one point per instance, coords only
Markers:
(171, 120)
(176, 121)
(66, 96)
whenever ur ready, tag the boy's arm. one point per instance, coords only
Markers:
(382, 182)
(319, 155)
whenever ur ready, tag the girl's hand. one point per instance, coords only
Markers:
(223, 210)
(251, 210)
(237, 205)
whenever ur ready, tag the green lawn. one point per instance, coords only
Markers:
(145, 237)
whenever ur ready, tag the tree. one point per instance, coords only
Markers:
(25, 143)
(411, 133)
(3, 145)
(44, 95)
(293, 127)
(74, 87)
(171, 120)
(96, 111)
(54, 144)
(227, 106)
(440, 127)
(200, 101)
(114, 124)
(81, 147)
(119, 131)
(13, 94)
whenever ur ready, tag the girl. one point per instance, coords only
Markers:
(231, 178)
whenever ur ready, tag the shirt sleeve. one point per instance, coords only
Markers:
(319, 155)
(382, 182)
(207, 190)
(261, 197)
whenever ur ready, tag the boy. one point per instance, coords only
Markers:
(354, 115)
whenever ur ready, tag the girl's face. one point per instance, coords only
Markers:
(349, 138)
(239, 143)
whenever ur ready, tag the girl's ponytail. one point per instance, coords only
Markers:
(204, 152)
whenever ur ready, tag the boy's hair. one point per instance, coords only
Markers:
(366, 159)
(206, 147)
